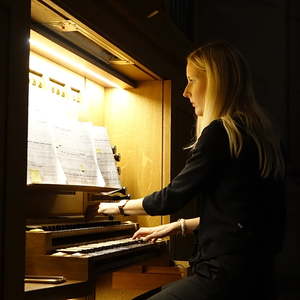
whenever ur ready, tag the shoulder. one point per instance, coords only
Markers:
(213, 139)
(215, 126)
(214, 133)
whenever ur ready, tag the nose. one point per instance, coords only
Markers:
(186, 92)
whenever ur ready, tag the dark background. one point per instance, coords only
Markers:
(267, 33)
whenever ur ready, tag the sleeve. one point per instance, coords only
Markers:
(207, 158)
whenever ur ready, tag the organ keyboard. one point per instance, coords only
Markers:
(82, 250)
(103, 249)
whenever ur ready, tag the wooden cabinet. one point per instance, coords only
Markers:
(132, 102)
(14, 16)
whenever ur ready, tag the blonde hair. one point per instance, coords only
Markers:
(229, 96)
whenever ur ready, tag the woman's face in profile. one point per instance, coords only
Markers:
(195, 88)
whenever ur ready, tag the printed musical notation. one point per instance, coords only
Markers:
(105, 157)
(63, 150)
(42, 163)
(75, 151)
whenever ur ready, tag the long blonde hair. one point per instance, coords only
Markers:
(230, 97)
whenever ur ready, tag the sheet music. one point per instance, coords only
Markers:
(75, 150)
(105, 157)
(42, 164)
(62, 150)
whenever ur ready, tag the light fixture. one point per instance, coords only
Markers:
(74, 64)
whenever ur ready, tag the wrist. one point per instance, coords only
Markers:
(121, 206)
(181, 226)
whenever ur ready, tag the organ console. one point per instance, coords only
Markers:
(81, 251)
(107, 88)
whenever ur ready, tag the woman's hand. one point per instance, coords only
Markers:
(108, 208)
(153, 233)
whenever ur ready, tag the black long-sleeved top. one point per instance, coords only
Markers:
(239, 210)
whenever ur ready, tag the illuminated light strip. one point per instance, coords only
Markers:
(73, 63)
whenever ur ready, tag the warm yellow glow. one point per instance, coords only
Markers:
(74, 64)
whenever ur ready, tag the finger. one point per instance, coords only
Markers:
(151, 236)
(135, 235)
(153, 240)
(157, 234)
(141, 230)
(138, 234)
(101, 210)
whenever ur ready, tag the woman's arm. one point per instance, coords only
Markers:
(132, 207)
(191, 224)
(135, 207)
(153, 233)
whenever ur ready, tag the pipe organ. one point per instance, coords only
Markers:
(98, 130)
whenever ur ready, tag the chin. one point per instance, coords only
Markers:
(199, 113)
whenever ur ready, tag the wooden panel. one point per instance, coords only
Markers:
(69, 267)
(68, 188)
(134, 122)
(42, 204)
(143, 281)
(166, 176)
(155, 277)
(166, 163)
(134, 119)
(92, 109)
(37, 243)
(14, 16)
(68, 289)
(13, 62)
(134, 71)
(106, 290)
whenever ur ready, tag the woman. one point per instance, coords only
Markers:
(236, 172)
